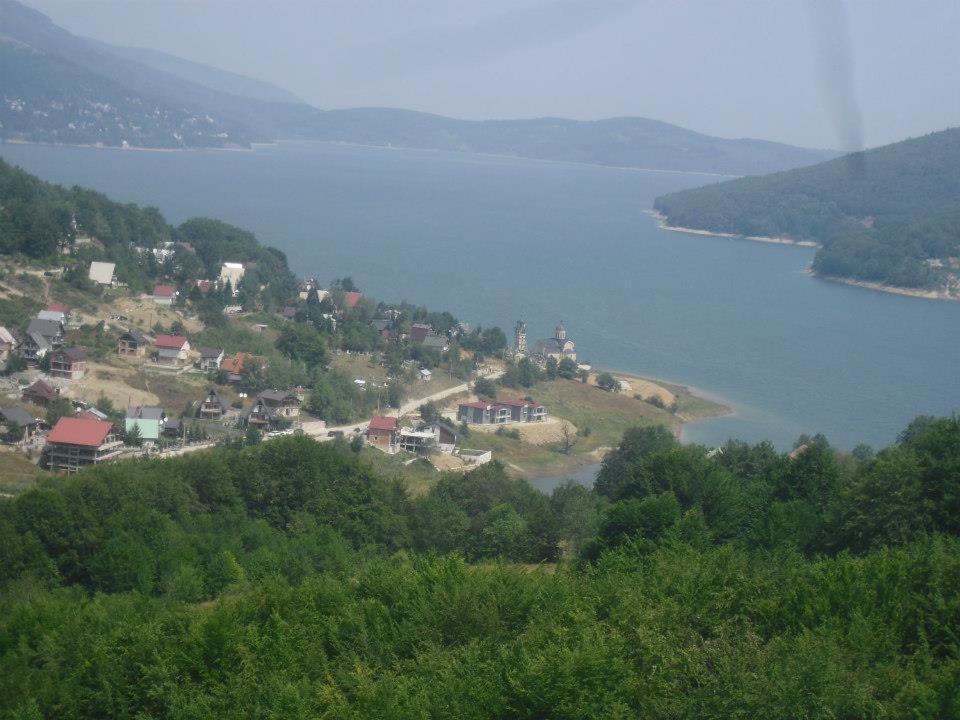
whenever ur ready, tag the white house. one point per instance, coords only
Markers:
(232, 272)
(211, 358)
(55, 315)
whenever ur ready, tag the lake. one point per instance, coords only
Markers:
(495, 240)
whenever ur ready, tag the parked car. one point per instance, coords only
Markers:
(335, 433)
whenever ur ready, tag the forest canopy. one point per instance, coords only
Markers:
(882, 215)
(41, 220)
(288, 579)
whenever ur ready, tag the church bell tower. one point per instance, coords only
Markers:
(520, 338)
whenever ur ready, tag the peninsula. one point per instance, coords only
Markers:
(885, 219)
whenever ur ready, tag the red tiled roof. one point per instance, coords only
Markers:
(173, 342)
(419, 332)
(80, 431)
(164, 291)
(204, 286)
(351, 298)
(234, 364)
(379, 422)
(57, 307)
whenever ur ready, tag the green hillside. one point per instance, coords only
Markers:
(289, 580)
(40, 220)
(48, 99)
(208, 107)
(888, 215)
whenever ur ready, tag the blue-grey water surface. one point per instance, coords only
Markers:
(496, 239)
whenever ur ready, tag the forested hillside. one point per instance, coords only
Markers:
(619, 142)
(888, 215)
(289, 580)
(48, 99)
(40, 220)
(150, 99)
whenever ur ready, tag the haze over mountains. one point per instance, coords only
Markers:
(68, 89)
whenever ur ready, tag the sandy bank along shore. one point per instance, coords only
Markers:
(662, 222)
(892, 289)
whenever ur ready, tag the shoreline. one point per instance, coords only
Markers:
(863, 284)
(504, 156)
(662, 224)
(889, 289)
(135, 148)
(724, 408)
(702, 406)
(583, 466)
(276, 143)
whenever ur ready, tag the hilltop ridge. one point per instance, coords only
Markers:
(888, 216)
(86, 92)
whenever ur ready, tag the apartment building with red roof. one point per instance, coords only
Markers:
(75, 443)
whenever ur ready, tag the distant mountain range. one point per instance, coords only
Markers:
(61, 88)
(890, 215)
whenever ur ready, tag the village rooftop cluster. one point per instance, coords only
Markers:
(86, 435)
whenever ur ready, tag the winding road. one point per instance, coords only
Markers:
(320, 431)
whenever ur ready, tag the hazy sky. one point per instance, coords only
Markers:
(798, 71)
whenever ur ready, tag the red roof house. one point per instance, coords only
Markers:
(380, 422)
(170, 342)
(419, 332)
(57, 307)
(500, 411)
(76, 442)
(382, 432)
(80, 431)
(233, 366)
(171, 349)
(164, 294)
(350, 299)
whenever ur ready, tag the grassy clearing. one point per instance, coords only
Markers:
(19, 473)
(174, 392)
(605, 414)
(418, 476)
(361, 366)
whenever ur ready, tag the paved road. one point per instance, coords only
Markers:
(320, 432)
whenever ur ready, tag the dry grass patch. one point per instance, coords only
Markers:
(19, 472)
(111, 382)
(173, 393)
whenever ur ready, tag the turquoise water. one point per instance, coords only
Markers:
(495, 239)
